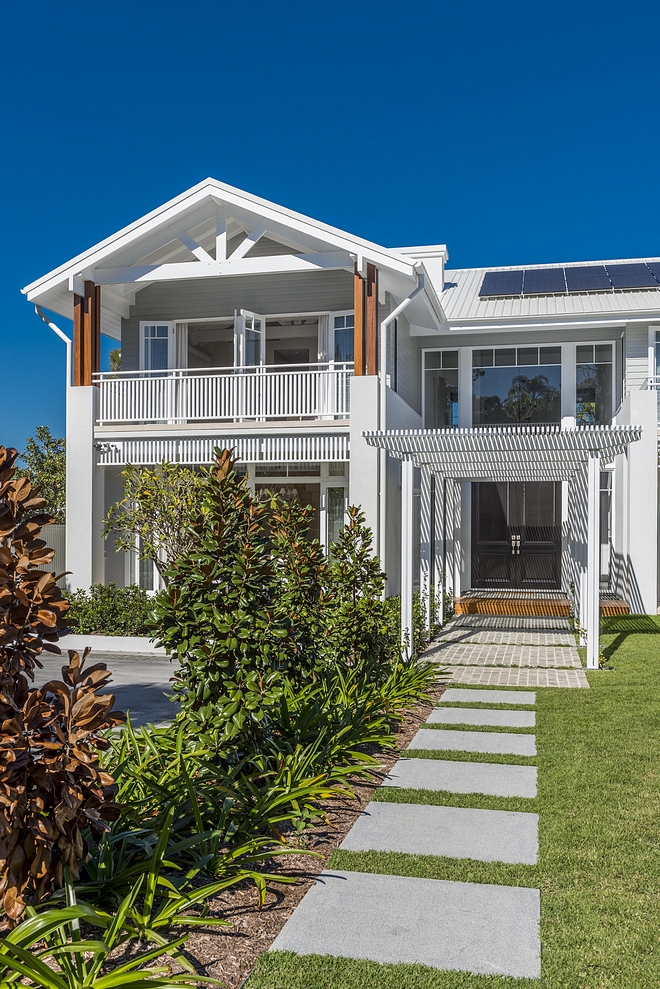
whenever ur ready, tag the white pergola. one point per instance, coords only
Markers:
(503, 453)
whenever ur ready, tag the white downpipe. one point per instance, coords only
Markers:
(592, 623)
(62, 335)
(382, 424)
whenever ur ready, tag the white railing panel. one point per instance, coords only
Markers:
(270, 392)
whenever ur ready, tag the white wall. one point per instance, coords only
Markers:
(635, 536)
(363, 473)
(84, 492)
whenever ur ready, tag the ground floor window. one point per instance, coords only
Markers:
(516, 385)
(593, 383)
(440, 388)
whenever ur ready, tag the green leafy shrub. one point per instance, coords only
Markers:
(110, 610)
(361, 625)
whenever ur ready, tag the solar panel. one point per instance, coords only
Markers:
(544, 281)
(587, 278)
(635, 275)
(654, 268)
(501, 283)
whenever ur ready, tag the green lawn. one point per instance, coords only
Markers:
(599, 868)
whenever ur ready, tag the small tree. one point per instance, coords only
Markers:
(45, 468)
(227, 613)
(361, 626)
(153, 518)
(114, 358)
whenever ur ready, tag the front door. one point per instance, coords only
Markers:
(516, 535)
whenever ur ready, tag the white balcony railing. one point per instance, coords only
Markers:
(293, 391)
(653, 384)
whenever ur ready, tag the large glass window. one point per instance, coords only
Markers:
(516, 385)
(440, 388)
(593, 383)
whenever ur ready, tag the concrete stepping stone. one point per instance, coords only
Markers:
(478, 676)
(456, 695)
(474, 716)
(463, 777)
(453, 832)
(468, 927)
(503, 743)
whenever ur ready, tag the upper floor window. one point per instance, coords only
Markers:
(440, 388)
(156, 346)
(343, 337)
(516, 385)
(593, 383)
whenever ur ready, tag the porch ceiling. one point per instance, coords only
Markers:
(505, 453)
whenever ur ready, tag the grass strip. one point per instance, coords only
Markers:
(599, 861)
(434, 867)
(454, 756)
(468, 726)
(487, 706)
(445, 798)
(286, 970)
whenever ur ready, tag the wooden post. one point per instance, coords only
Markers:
(359, 306)
(78, 347)
(372, 320)
(87, 334)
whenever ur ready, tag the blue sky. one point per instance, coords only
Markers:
(513, 132)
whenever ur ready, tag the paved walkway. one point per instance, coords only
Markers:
(469, 927)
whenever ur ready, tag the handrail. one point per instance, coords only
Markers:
(276, 391)
(308, 366)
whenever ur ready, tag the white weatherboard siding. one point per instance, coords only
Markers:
(209, 298)
(636, 351)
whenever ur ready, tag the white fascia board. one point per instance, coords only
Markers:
(224, 196)
(597, 321)
(430, 251)
(276, 264)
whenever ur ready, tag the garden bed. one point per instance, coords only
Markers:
(229, 953)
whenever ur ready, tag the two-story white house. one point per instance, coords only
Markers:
(499, 427)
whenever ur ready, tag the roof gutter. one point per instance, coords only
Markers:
(382, 406)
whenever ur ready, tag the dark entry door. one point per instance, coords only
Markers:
(516, 534)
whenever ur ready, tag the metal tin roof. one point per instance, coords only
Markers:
(461, 303)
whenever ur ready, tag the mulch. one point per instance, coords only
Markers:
(229, 953)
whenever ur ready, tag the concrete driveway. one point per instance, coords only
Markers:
(140, 683)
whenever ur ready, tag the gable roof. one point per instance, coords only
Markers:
(186, 226)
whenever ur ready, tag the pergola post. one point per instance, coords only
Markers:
(407, 493)
(439, 547)
(425, 540)
(458, 542)
(592, 611)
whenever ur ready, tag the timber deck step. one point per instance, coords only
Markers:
(550, 604)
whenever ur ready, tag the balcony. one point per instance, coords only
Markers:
(272, 392)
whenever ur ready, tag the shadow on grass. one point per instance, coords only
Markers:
(622, 626)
